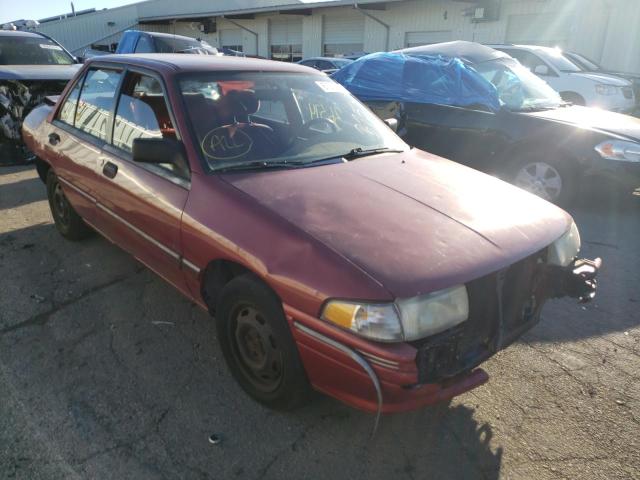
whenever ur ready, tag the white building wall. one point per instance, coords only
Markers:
(605, 30)
(77, 33)
(621, 48)
(312, 36)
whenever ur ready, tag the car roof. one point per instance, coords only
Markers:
(20, 33)
(163, 35)
(537, 48)
(470, 52)
(180, 62)
(329, 59)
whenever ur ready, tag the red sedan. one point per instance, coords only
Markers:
(331, 254)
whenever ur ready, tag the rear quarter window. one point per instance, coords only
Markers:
(67, 113)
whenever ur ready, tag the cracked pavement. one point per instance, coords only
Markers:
(108, 372)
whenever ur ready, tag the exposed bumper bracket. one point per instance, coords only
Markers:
(356, 358)
(578, 280)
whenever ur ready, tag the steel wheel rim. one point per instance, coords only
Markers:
(255, 349)
(541, 179)
(60, 205)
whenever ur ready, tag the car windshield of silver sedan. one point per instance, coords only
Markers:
(32, 51)
(264, 120)
(518, 88)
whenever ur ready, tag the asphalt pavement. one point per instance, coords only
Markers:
(107, 372)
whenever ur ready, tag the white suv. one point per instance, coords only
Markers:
(573, 84)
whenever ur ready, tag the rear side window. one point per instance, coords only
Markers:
(144, 45)
(93, 113)
(142, 112)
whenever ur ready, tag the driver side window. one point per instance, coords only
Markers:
(529, 60)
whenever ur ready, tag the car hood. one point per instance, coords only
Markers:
(415, 222)
(603, 78)
(625, 75)
(38, 72)
(612, 123)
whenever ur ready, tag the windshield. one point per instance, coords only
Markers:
(183, 45)
(585, 62)
(341, 62)
(32, 51)
(556, 58)
(518, 88)
(263, 119)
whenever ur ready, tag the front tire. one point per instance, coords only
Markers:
(67, 221)
(573, 98)
(258, 346)
(548, 180)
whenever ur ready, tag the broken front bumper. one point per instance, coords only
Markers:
(17, 99)
(386, 378)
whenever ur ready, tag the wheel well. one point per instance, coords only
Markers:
(216, 275)
(574, 97)
(506, 161)
(42, 168)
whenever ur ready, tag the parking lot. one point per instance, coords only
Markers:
(108, 372)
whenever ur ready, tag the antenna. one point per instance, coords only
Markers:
(73, 10)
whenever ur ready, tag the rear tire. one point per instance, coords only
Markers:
(258, 346)
(68, 222)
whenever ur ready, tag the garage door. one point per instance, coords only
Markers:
(231, 38)
(415, 39)
(343, 35)
(286, 39)
(538, 29)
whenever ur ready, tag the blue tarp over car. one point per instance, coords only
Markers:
(417, 78)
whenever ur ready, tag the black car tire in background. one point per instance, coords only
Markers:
(258, 346)
(573, 98)
(67, 221)
(551, 180)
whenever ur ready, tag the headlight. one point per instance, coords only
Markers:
(406, 319)
(433, 313)
(619, 150)
(565, 249)
(603, 89)
(375, 321)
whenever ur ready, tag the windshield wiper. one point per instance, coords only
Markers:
(258, 165)
(359, 152)
(539, 108)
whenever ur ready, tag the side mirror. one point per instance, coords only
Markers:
(392, 123)
(541, 70)
(160, 150)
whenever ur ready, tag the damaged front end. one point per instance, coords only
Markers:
(17, 99)
(502, 306)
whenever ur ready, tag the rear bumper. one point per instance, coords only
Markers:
(396, 377)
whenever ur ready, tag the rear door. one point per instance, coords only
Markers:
(77, 135)
(140, 205)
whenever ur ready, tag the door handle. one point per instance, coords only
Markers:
(110, 170)
(54, 138)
